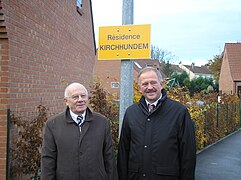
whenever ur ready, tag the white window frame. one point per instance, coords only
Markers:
(79, 3)
(79, 6)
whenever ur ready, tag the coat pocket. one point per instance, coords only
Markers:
(167, 171)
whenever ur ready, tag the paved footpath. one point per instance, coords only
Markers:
(221, 161)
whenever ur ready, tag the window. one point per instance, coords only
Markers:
(115, 85)
(239, 91)
(79, 6)
(79, 3)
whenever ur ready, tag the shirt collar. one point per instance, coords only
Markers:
(74, 116)
(155, 103)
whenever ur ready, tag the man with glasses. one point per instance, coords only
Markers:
(77, 144)
(157, 139)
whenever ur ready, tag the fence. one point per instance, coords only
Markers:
(221, 120)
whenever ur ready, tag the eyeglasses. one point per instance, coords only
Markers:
(77, 96)
(152, 83)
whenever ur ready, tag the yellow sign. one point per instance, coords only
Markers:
(124, 42)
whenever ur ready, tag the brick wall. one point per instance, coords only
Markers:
(50, 44)
(3, 107)
(4, 90)
(225, 80)
(108, 71)
(44, 46)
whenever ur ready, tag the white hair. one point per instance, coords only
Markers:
(67, 89)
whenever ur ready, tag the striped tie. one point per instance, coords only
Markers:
(79, 120)
(151, 107)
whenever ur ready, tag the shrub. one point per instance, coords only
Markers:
(25, 153)
(212, 122)
(102, 101)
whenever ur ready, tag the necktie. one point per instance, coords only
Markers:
(79, 120)
(151, 107)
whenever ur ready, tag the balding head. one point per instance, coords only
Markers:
(71, 87)
(76, 98)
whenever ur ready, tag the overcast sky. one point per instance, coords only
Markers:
(192, 30)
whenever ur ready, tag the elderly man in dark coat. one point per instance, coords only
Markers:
(77, 144)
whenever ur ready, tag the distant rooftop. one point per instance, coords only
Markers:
(233, 51)
(198, 70)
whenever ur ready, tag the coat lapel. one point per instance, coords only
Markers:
(86, 124)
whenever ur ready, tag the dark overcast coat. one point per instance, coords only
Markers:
(157, 146)
(68, 154)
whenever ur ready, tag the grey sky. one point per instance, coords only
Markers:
(193, 30)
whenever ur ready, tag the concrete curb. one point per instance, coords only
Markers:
(210, 145)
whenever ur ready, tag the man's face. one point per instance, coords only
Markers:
(77, 99)
(150, 86)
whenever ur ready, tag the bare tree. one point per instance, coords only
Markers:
(161, 55)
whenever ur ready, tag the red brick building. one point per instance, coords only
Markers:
(44, 46)
(108, 71)
(230, 74)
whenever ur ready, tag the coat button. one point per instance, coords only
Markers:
(145, 146)
(148, 119)
(144, 175)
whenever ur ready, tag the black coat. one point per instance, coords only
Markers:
(157, 146)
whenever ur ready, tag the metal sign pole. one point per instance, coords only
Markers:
(126, 74)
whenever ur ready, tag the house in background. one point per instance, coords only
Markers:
(45, 45)
(108, 72)
(230, 74)
(176, 69)
(196, 71)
